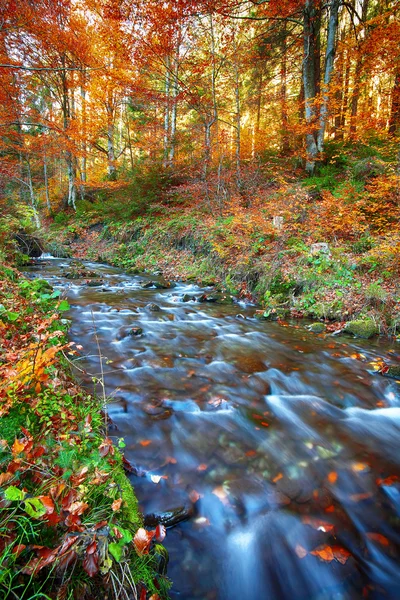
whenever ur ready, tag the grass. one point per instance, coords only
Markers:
(68, 514)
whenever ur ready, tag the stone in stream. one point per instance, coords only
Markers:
(158, 285)
(317, 327)
(169, 517)
(125, 332)
(187, 298)
(393, 372)
(362, 328)
(135, 331)
(95, 282)
(156, 410)
(152, 307)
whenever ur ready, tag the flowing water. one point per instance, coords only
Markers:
(284, 443)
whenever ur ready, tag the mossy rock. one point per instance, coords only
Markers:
(271, 314)
(362, 328)
(393, 372)
(317, 328)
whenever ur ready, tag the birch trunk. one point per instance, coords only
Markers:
(32, 195)
(46, 181)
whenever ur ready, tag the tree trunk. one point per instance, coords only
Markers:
(312, 22)
(174, 111)
(167, 111)
(238, 119)
(355, 97)
(339, 131)
(84, 127)
(66, 112)
(111, 167)
(285, 144)
(329, 59)
(46, 181)
(32, 195)
(394, 121)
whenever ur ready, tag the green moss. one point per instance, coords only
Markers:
(363, 328)
(12, 422)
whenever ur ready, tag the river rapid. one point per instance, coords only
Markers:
(285, 444)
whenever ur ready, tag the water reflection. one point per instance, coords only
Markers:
(286, 443)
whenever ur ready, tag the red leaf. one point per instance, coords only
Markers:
(91, 549)
(69, 499)
(142, 540)
(53, 519)
(160, 533)
(77, 508)
(143, 594)
(91, 563)
(106, 447)
(377, 537)
(18, 549)
(48, 504)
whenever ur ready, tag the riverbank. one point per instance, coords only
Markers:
(68, 514)
(288, 274)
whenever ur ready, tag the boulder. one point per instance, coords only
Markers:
(393, 372)
(317, 327)
(135, 331)
(362, 328)
(320, 248)
(152, 307)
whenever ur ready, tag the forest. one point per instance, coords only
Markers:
(248, 150)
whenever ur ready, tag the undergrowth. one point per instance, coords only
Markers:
(69, 521)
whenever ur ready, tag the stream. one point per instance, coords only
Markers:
(284, 444)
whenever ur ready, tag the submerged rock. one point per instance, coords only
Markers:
(152, 307)
(170, 517)
(393, 372)
(187, 298)
(95, 282)
(362, 328)
(317, 327)
(158, 285)
(135, 331)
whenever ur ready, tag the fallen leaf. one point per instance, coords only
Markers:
(324, 553)
(5, 477)
(377, 537)
(341, 554)
(142, 540)
(202, 467)
(47, 503)
(145, 443)
(359, 466)
(17, 447)
(160, 532)
(116, 505)
(332, 477)
(359, 497)
(91, 563)
(300, 551)
(318, 524)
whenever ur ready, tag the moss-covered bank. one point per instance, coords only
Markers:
(69, 518)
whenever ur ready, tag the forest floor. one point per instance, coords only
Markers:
(212, 234)
(69, 520)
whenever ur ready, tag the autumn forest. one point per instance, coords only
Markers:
(221, 166)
